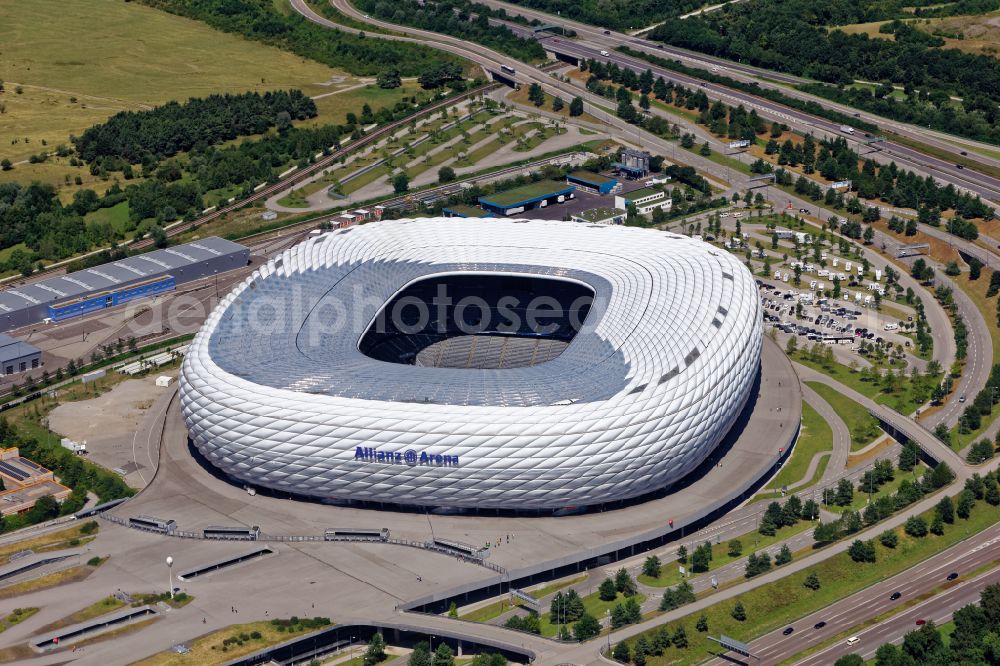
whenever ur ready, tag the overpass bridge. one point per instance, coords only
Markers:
(905, 429)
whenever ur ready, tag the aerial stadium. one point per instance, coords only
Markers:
(482, 364)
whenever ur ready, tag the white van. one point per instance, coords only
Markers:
(891, 327)
(853, 640)
(604, 53)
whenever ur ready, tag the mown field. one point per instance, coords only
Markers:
(108, 56)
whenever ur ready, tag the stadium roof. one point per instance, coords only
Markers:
(275, 390)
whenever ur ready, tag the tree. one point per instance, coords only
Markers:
(784, 555)
(389, 79)
(607, 590)
(621, 652)
(536, 95)
(701, 559)
(585, 628)
(812, 581)
(446, 174)
(624, 582)
(576, 107)
(705, 150)
(889, 538)
(443, 656)
(702, 624)
(682, 555)
(651, 567)
(400, 183)
(558, 104)
(45, 508)
(679, 639)
(375, 653)
(945, 509)
(861, 551)
(6, 164)
(453, 610)
(735, 548)
(421, 655)
(850, 660)
(739, 613)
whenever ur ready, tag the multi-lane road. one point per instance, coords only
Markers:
(592, 40)
(926, 578)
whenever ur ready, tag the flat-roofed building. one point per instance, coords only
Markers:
(645, 200)
(527, 197)
(99, 287)
(464, 210)
(17, 356)
(600, 216)
(593, 182)
(25, 482)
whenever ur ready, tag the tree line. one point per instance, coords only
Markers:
(458, 18)
(174, 127)
(617, 14)
(790, 37)
(261, 21)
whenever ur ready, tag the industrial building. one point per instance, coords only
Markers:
(533, 195)
(17, 356)
(634, 163)
(645, 200)
(464, 210)
(600, 216)
(25, 482)
(593, 182)
(92, 289)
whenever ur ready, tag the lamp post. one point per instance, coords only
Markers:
(170, 575)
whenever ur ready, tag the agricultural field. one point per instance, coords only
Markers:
(134, 57)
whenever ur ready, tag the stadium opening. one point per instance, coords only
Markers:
(478, 320)
(468, 363)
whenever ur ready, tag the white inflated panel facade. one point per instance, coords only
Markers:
(276, 393)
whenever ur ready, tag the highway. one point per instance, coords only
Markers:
(598, 39)
(925, 578)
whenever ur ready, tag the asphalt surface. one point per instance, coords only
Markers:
(924, 578)
(593, 40)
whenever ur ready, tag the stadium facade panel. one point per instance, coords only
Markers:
(603, 401)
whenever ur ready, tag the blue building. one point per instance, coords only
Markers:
(93, 289)
(527, 197)
(593, 182)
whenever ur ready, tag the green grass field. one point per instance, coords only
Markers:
(111, 55)
(814, 437)
(117, 216)
(863, 426)
(752, 541)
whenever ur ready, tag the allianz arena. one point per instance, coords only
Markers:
(486, 364)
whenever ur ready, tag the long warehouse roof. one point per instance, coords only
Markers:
(118, 273)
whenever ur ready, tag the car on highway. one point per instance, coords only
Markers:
(819, 625)
(961, 398)
(895, 595)
(959, 166)
(921, 622)
(963, 153)
(607, 32)
(853, 640)
(604, 53)
(788, 631)
(803, 210)
(952, 576)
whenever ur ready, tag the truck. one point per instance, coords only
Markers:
(847, 129)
